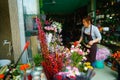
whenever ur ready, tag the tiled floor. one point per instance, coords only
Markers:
(105, 74)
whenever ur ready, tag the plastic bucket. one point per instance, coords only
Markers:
(5, 62)
(100, 64)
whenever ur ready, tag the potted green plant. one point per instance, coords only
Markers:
(38, 58)
(16, 74)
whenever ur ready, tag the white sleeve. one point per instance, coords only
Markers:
(97, 33)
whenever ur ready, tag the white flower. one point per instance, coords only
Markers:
(85, 68)
(72, 51)
(77, 73)
(72, 46)
(85, 53)
(84, 58)
(80, 63)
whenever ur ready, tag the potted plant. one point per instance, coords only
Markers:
(16, 74)
(38, 58)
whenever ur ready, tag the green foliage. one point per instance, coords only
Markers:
(16, 72)
(76, 58)
(38, 58)
(81, 67)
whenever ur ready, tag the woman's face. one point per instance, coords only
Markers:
(86, 23)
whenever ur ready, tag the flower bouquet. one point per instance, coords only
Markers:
(116, 57)
(73, 73)
(23, 69)
(52, 65)
(101, 55)
(78, 58)
(49, 29)
(57, 26)
(53, 33)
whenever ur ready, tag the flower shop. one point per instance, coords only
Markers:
(51, 43)
(55, 61)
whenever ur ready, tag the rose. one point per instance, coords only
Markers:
(24, 67)
(1, 76)
(76, 43)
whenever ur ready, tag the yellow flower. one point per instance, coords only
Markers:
(87, 63)
(89, 67)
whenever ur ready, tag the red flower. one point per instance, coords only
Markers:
(51, 64)
(24, 66)
(116, 55)
(58, 77)
(1, 76)
(76, 43)
(73, 77)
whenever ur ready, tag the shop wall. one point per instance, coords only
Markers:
(5, 30)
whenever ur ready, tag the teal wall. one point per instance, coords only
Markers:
(62, 6)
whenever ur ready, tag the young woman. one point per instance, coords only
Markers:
(90, 36)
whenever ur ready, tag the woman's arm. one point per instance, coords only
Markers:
(81, 38)
(98, 36)
(94, 41)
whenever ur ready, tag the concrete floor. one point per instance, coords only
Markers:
(105, 74)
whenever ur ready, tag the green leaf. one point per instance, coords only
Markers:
(38, 58)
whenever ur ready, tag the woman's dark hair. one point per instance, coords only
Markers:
(88, 18)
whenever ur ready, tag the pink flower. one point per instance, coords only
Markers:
(88, 50)
(55, 29)
(75, 69)
(68, 67)
(80, 52)
(102, 54)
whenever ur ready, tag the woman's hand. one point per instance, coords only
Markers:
(91, 43)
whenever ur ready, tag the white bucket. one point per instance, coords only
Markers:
(4, 62)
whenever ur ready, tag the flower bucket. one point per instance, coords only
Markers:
(4, 62)
(100, 64)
